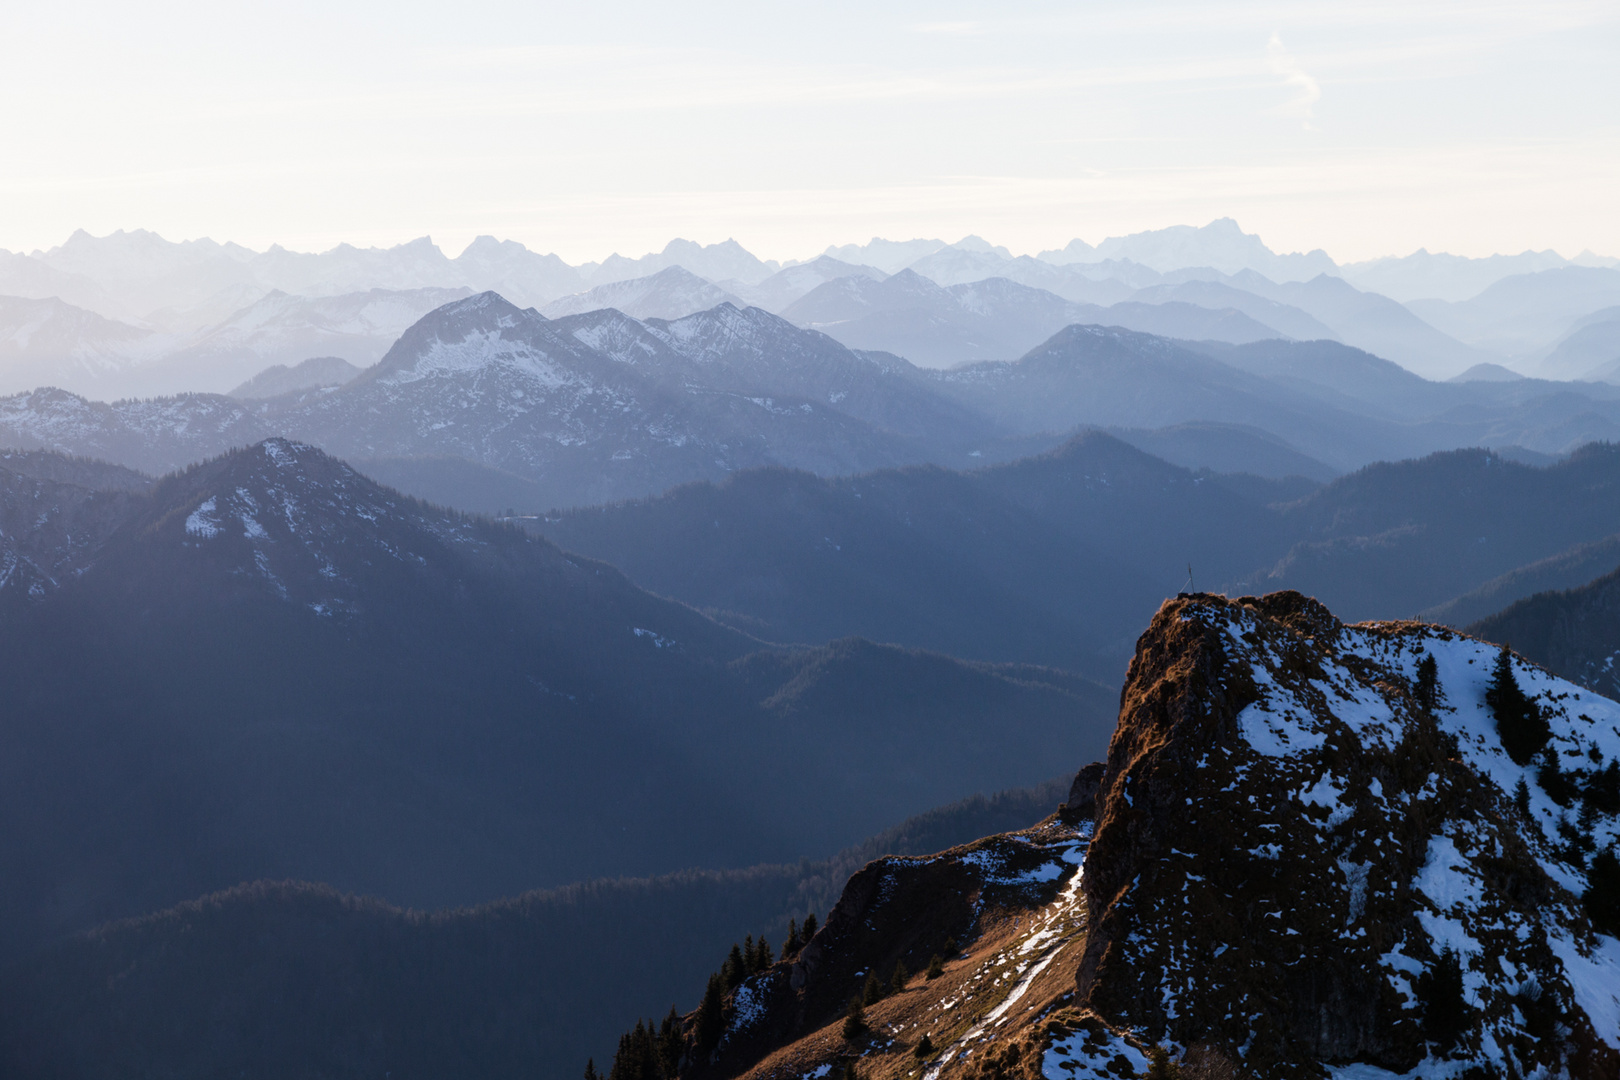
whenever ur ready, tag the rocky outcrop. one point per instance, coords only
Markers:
(1308, 855)
(1295, 823)
(907, 912)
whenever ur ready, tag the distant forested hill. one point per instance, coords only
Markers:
(1575, 632)
(295, 979)
(1060, 558)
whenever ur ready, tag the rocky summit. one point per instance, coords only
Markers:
(1315, 850)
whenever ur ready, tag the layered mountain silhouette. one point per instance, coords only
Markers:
(268, 666)
(47, 343)
(599, 406)
(995, 319)
(1059, 558)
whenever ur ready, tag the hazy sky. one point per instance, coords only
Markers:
(586, 128)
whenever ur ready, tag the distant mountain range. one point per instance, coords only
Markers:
(593, 407)
(182, 302)
(50, 343)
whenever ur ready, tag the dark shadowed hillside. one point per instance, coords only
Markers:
(1568, 569)
(1575, 632)
(290, 978)
(1057, 558)
(1395, 538)
(1054, 559)
(273, 667)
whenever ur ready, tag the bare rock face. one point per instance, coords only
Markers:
(1083, 792)
(907, 912)
(1294, 824)
(1308, 855)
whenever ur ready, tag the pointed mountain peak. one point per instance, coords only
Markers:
(458, 336)
(421, 245)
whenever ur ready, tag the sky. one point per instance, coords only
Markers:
(1365, 129)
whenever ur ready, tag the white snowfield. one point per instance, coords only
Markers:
(1456, 913)
(1289, 736)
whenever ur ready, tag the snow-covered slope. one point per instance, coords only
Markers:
(285, 329)
(594, 406)
(1355, 816)
(25, 276)
(1308, 854)
(155, 435)
(752, 351)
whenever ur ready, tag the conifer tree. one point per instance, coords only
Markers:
(670, 1039)
(1427, 690)
(872, 993)
(936, 966)
(590, 1070)
(1440, 997)
(1160, 1067)
(924, 1048)
(951, 947)
(810, 927)
(637, 1058)
(709, 1022)
(1603, 789)
(621, 1059)
(1552, 779)
(763, 954)
(1602, 896)
(1587, 820)
(855, 1019)
(735, 969)
(749, 954)
(790, 947)
(1521, 797)
(897, 981)
(1519, 723)
(851, 1070)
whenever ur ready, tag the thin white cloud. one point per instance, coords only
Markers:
(1307, 91)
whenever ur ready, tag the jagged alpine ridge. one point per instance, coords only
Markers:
(592, 406)
(1309, 855)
